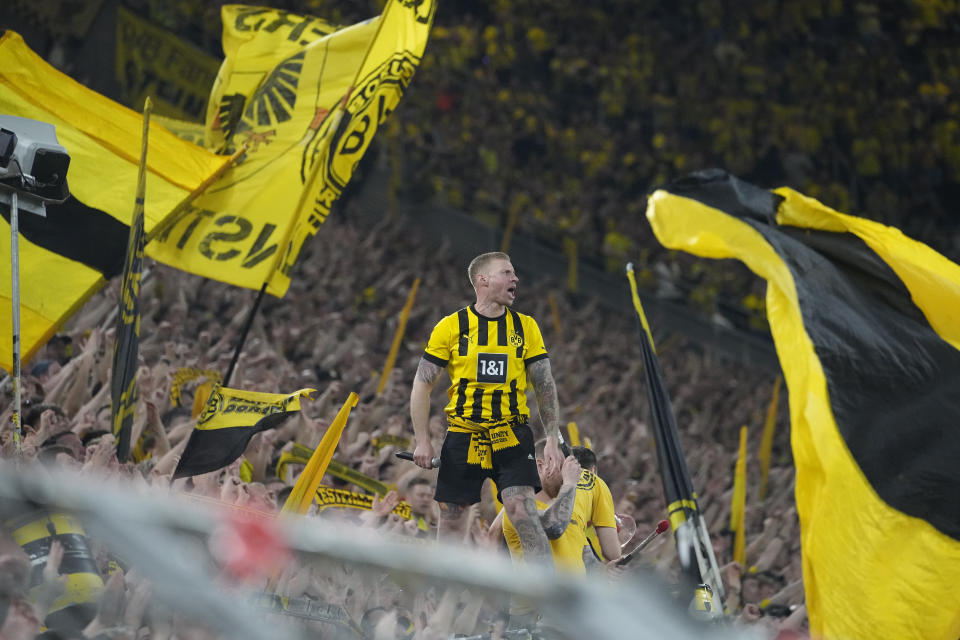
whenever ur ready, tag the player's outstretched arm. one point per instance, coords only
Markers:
(423, 383)
(541, 379)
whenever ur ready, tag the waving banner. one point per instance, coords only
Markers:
(867, 327)
(80, 244)
(306, 99)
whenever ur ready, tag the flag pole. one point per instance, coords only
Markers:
(694, 548)
(243, 335)
(398, 336)
(126, 346)
(15, 314)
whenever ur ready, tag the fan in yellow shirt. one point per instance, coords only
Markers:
(571, 501)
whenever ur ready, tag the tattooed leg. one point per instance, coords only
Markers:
(453, 521)
(522, 510)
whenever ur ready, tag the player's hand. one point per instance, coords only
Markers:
(570, 471)
(423, 455)
(552, 458)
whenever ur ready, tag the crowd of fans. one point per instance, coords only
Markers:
(332, 332)
(566, 115)
(560, 118)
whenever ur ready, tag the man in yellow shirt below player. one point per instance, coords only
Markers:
(568, 502)
(585, 496)
(603, 539)
(491, 352)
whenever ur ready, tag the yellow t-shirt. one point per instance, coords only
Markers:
(486, 359)
(603, 513)
(593, 504)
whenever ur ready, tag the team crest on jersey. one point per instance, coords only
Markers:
(587, 480)
(516, 339)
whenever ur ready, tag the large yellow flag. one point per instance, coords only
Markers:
(306, 99)
(867, 327)
(68, 255)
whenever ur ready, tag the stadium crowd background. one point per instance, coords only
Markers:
(332, 331)
(561, 117)
(565, 116)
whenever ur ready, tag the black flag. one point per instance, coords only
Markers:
(693, 542)
(123, 381)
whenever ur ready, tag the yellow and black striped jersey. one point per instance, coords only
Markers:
(486, 359)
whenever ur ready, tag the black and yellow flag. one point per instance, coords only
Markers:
(126, 348)
(306, 98)
(230, 418)
(80, 244)
(693, 542)
(867, 328)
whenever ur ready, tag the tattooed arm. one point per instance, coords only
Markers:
(541, 378)
(556, 518)
(424, 382)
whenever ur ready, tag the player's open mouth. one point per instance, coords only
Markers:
(512, 291)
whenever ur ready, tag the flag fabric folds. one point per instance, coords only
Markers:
(67, 256)
(305, 489)
(306, 98)
(230, 418)
(126, 347)
(866, 324)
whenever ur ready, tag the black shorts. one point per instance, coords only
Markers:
(459, 482)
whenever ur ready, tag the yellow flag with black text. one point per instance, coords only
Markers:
(69, 254)
(306, 98)
(230, 418)
(866, 323)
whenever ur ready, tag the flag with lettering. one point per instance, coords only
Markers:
(306, 99)
(68, 255)
(866, 323)
(230, 418)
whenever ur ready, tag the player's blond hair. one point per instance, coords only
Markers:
(481, 261)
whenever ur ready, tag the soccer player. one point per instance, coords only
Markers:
(491, 353)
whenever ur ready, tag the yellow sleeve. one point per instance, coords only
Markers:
(603, 511)
(439, 347)
(533, 348)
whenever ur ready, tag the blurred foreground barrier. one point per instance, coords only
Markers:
(150, 529)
